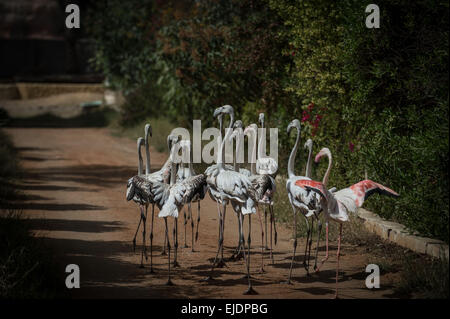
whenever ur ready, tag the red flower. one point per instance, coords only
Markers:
(310, 106)
(351, 146)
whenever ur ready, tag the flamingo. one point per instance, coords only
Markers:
(264, 185)
(140, 201)
(338, 205)
(231, 186)
(299, 198)
(177, 194)
(183, 173)
(323, 152)
(237, 134)
(267, 166)
(210, 170)
(142, 189)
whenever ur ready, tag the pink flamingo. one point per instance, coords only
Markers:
(338, 205)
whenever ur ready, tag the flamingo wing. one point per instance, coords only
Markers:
(362, 190)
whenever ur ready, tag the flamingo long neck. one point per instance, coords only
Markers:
(140, 163)
(253, 165)
(221, 155)
(224, 139)
(292, 156)
(191, 156)
(261, 141)
(309, 163)
(327, 173)
(238, 144)
(147, 154)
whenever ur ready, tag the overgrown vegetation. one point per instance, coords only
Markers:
(26, 266)
(378, 98)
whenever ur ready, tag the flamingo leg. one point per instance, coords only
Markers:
(185, 223)
(219, 244)
(319, 231)
(198, 221)
(151, 239)
(271, 222)
(265, 226)
(137, 229)
(274, 226)
(238, 251)
(261, 270)
(310, 242)
(143, 251)
(169, 282)
(192, 227)
(250, 290)
(221, 263)
(308, 233)
(326, 245)
(164, 247)
(338, 255)
(294, 246)
(175, 238)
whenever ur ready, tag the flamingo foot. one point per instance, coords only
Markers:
(250, 291)
(221, 263)
(164, 253)
(261, 271)
(207, 279)
(169, 283)
(151, 271)
(176, 264)
(185, 246)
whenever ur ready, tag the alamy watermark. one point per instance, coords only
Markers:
(208, 153)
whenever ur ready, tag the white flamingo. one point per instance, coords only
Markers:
(231, 186)
(183, 173)
(176, 195)
(300, 199)
(338, 205)
(141, 202)
(142, 188)
(265, 187)
(210, 170)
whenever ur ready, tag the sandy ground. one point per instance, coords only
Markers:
(75, 186)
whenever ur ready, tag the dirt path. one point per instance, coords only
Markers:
(75, 186)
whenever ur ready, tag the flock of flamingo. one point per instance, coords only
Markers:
(174, 186)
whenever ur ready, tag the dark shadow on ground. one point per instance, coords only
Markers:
(89, 118)
(74, 225)
(116, 278)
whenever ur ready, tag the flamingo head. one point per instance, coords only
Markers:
(261, 119)
(171, 139)
(251, 128)
(223, 109)
(308, 144)
(238, 124)
(323, 151)
(148, 130)
(295, 123)
(140, 142)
